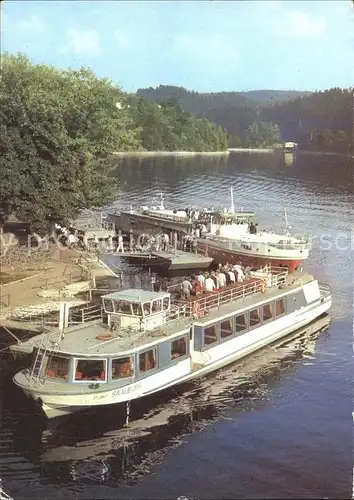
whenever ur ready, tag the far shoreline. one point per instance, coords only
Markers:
(124, 154)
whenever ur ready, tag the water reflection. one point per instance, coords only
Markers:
(96, 447)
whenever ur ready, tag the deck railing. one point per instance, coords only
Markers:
(214, 300)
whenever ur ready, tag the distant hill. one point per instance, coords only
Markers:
(320, 121)
(234, 111)
(270, 97)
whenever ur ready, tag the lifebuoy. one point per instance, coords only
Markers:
(104, 215)
(104, 336)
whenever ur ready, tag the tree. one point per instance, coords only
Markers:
(57, 128)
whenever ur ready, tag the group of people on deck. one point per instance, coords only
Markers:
(206, 282)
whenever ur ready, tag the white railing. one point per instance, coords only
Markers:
(171, 217)
(301, 243)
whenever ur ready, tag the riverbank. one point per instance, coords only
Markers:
(252, 150)
(65, 275)
(126, 154)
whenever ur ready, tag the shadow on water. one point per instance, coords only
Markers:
(97, 447)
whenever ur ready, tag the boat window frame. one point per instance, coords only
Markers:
(74, 366)
(232, 335)
(47, 362)
(147, 315)
(271, 307)
(105, 308)
(184, 356)
(216, 342)
(256, 325)
(122, 313)
(131, 357)
(156, 301)
(247, 327)
(146, 373)
(276, 316)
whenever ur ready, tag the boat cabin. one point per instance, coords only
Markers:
(141, 309)
(230, 224)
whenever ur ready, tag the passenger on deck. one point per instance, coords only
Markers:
(232, 276)
(209, 284)
(109, 244)
(222, 279)
(197, 287)
(213, 277)
(157, 284)
(201, 279)
(240, 273)
(186, 288)
(120, 247)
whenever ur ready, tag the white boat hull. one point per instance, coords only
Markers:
(55, 405)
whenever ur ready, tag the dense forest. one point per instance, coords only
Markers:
(320, 121)
(59, 127)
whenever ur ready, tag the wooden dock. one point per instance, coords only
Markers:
(179, 260)
(174, 260)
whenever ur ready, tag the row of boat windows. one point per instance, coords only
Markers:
(119, 368)
(136, 309)
(242, 322)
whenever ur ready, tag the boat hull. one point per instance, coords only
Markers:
(55, 405)
(224, 256)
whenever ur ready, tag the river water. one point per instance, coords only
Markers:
(276, 426)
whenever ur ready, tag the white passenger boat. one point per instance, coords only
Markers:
(149, 343)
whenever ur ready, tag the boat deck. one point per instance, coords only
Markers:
(82, 339)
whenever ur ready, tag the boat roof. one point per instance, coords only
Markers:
(136, 295)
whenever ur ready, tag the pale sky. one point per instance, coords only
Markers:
(201, 45)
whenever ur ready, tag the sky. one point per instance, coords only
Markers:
(207, 46)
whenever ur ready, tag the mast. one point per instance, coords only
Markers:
(232, 208)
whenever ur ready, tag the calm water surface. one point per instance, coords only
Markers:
(276, 426)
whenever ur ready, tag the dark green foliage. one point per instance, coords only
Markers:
(322, 121)
(319, 121)
(166, 127)
(58, 129)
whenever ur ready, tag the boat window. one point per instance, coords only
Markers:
(136, 308)
(179, 347)
(279, 307)
(57, 367)
(147, 360)
(241, 322)
(226, 328)
(90, 369)
(267, 312)
(210, 335)
(166, 303)
(157, 306)
(147, 308)
(122, 368)
(254, 317)
(108, 305)
(122, 306)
